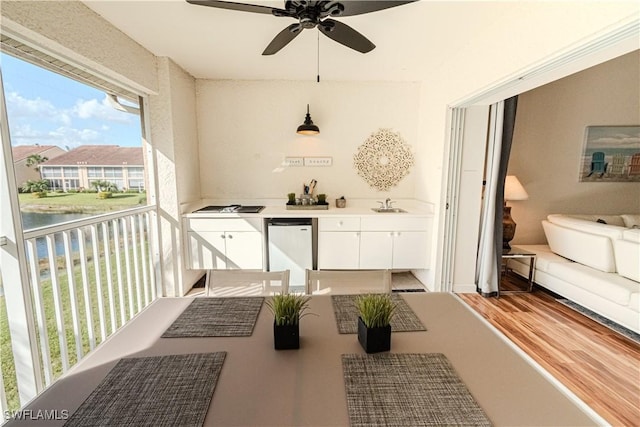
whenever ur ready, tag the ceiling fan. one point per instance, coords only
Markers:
(312, 14)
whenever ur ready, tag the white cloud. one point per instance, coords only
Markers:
(90, 121)
(61, 136)
(21, 107)
(101, 110)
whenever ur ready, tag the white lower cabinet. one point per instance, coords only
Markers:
(394, 249)
(411, 249)
(373, 242)
(225, 243)
(376, 249)
(344, 243)
(338, 250)
(339, 243)
(395, 242)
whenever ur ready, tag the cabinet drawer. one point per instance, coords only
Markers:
(395, 223)
(346, 223)
(224, 224)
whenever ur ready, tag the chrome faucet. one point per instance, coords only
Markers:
(386, 204)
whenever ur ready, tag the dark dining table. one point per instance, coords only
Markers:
(261, 386)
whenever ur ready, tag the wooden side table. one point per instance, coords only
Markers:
(514, 253)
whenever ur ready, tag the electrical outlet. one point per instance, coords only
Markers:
(294, 161)
(318, 161)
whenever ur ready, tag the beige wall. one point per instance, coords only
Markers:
(247, 128)
(174, 143)
(472, 57)
(548, 142)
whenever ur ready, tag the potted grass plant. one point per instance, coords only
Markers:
(287, 311)
(375, 312)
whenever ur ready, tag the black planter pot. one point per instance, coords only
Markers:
(374, 340)
(286, 337)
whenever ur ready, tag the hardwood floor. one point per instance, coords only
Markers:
(600, 366)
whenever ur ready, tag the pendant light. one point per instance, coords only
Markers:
(308, 128)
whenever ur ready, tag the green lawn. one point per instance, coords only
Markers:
(6, 354)
(80, 202)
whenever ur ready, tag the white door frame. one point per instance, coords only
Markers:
(604, 46)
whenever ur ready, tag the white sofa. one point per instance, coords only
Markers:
(595, 264)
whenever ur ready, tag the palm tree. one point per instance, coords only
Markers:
(38, 188)
(35, 160)
(103, 186)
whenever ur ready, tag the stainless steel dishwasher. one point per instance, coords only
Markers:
(291, 248)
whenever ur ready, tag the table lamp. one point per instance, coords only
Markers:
(513, 190)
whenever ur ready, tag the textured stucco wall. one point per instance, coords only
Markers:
(72, 31)
(75, 32)
(467, 57)
(175, 146)
(548, 141)
(489, 43)
(247, 128)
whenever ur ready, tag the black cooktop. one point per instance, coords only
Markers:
(232, 209)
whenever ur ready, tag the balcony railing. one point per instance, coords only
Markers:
(87, 279)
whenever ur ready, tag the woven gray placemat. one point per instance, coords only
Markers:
(346, 312)
(217, 317)
(401, 390)
(153, 391)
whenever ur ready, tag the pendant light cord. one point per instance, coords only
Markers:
(318, 78)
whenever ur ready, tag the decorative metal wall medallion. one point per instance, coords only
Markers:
(383, 159)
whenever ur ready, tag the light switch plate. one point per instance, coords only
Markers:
(294, 161)
(318, 161)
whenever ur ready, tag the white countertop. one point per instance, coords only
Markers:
(358, 207)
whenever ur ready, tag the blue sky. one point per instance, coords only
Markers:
(49, 109)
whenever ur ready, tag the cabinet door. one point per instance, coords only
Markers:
(410, 249)
(338, 250)
(206, 250)
(376, 249)
(243, 249)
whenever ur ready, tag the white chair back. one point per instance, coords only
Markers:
(343, 282)
(232, 283)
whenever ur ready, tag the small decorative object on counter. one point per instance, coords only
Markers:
(292, 198)
(341, 202)
(374, 322)
(287, 311)
(322, 199)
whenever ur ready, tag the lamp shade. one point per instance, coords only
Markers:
(308, 128)
(513, 190)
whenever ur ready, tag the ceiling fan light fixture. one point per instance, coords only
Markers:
(308, 128)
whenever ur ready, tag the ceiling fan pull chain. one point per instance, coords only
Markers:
(318, 79)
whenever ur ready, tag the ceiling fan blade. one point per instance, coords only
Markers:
(243, 7)
(345, 35)
(282, 39)
(356, 7)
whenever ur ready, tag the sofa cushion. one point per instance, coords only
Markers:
(634, 303)
(631, 220)
(628, 258)
(544, 256)
(631, 235)
(610, 286)
(616, 220)
(593, 250)
(610, 229)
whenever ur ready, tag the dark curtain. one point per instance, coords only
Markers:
(508, 125)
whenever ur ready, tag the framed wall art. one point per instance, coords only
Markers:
(611, 154)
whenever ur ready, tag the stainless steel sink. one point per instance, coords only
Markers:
(388, 210)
